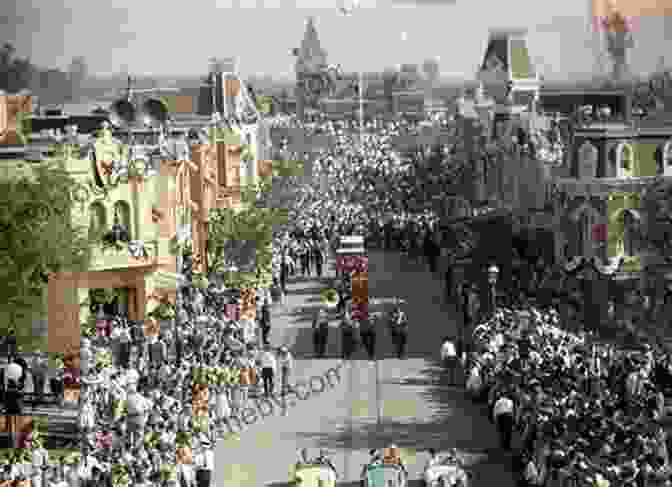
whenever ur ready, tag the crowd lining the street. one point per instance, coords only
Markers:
(152, 404)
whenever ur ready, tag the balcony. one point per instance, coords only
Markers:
(120, 258)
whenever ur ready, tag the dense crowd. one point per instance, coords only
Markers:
(586, 413)
(154, 398)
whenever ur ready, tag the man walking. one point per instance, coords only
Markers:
(450, 359)
(268, 367)
(367, 331)
(320, 333)
(503, 416)
(399, 330)
(205, 461)
(348, 336)
(286, 362)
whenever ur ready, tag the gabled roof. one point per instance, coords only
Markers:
(507, 52)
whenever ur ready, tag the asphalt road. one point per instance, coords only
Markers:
(410, 405)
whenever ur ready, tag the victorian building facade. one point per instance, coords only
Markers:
(139, 202)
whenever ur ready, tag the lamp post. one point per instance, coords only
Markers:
(493, 275)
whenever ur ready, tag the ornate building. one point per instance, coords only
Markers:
(142, 201)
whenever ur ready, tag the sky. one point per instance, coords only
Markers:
(178, 38)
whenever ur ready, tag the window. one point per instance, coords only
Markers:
(97, 218)
(584, 235)
(625, 161)
(588, 155)
(123, 211)
(667, 159)
(630, 221)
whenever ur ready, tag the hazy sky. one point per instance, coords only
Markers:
(178, 37)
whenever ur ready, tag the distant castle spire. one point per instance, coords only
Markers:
(311, 52)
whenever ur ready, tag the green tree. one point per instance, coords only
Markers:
(37, 238)
(232, 232)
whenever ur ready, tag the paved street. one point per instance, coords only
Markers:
(418, 410)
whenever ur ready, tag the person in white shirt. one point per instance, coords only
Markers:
(268, 368)
(249, 329)
(286, 363)
(205, 462)
(503, 414)
(450, 359)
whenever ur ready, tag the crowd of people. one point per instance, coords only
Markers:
(586, 412)
(153, 399)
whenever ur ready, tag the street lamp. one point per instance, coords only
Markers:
(493, 275)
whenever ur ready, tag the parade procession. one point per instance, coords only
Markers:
(352, 278)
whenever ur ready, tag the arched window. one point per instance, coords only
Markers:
(630, 220)
(97, 218)
(667, 159)
(588, 155)
(625, 161)
(584, 234)
(123, 211)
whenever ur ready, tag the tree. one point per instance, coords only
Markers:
(37, 239)
(240, 241)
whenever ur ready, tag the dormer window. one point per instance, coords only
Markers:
(625, 161)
